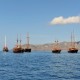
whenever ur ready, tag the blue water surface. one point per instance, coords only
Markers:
(39, 66)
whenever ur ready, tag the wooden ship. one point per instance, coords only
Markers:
(72, 47)
(27, 49)
(56, 47)
(5, 48)
(18, 48)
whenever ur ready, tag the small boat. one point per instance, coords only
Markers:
(72, 48)
(56, 51)
(27, 49)
(5, 48)
(56, 48)
(18, 48)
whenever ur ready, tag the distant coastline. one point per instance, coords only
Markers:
(49, 46)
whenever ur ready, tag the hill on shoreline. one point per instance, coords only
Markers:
(49, 46)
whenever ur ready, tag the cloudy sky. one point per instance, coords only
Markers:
(45, 20)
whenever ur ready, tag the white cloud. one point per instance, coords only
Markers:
(62, 20)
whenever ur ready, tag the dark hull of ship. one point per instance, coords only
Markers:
(73, 51)
(56, 51)
(5, 50)
(27, 50)
(18, 50)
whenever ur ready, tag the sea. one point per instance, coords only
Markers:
(40, 65)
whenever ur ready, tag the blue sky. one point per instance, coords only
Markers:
(34, 16)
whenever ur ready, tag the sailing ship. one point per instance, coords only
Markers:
(18, 48)
(56, 47)
(5, 48)
(72, 48)
(27, 49)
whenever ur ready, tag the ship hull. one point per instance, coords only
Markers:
(27, 50)
(5, 50)
(56, 51)
(72, 51)
(18, 50)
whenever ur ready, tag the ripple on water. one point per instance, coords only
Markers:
(39, 66)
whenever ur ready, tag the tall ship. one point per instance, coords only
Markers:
(18, 48)
(56, 47)
(27, 49)
(72, 48)
(5, 48)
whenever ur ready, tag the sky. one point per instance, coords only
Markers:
(38, 18)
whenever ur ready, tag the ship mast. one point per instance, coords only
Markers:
(20, 41)
(56, 46)
(27, 45)
(5, 48)
(17, 41)
(73, 40)
(5, 42)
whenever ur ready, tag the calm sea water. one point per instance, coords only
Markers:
(39, 66)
